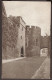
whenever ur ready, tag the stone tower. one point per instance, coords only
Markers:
(34, 36)
(35, 40)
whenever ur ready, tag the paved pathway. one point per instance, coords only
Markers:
(21, 69)
(44, 71)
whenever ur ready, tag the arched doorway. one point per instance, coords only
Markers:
(22, 52)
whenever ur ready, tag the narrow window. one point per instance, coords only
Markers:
(36, 42)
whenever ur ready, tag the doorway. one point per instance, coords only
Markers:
(22, 52)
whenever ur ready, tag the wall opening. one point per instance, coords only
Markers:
(22, 52)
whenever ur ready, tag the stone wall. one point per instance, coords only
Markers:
(27, 38)
(12, 37)
(46, 43)
(21, 37)
(35, 35)
(4, 31)
(9, 35)
(15, 42)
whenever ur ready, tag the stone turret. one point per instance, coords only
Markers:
(34, 41)
(36, 35)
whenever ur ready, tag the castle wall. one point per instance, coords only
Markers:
(27, 38)
(17, 37)
(36, 34)
(11, 35)
(45, 43)
(33, 35)
(21, 37)
(4, 31)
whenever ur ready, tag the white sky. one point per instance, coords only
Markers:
(32, 12)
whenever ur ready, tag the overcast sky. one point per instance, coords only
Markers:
(33, 13)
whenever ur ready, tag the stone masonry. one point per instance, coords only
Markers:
(33, 36)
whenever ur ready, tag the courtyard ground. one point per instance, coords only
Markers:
(22, 69)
